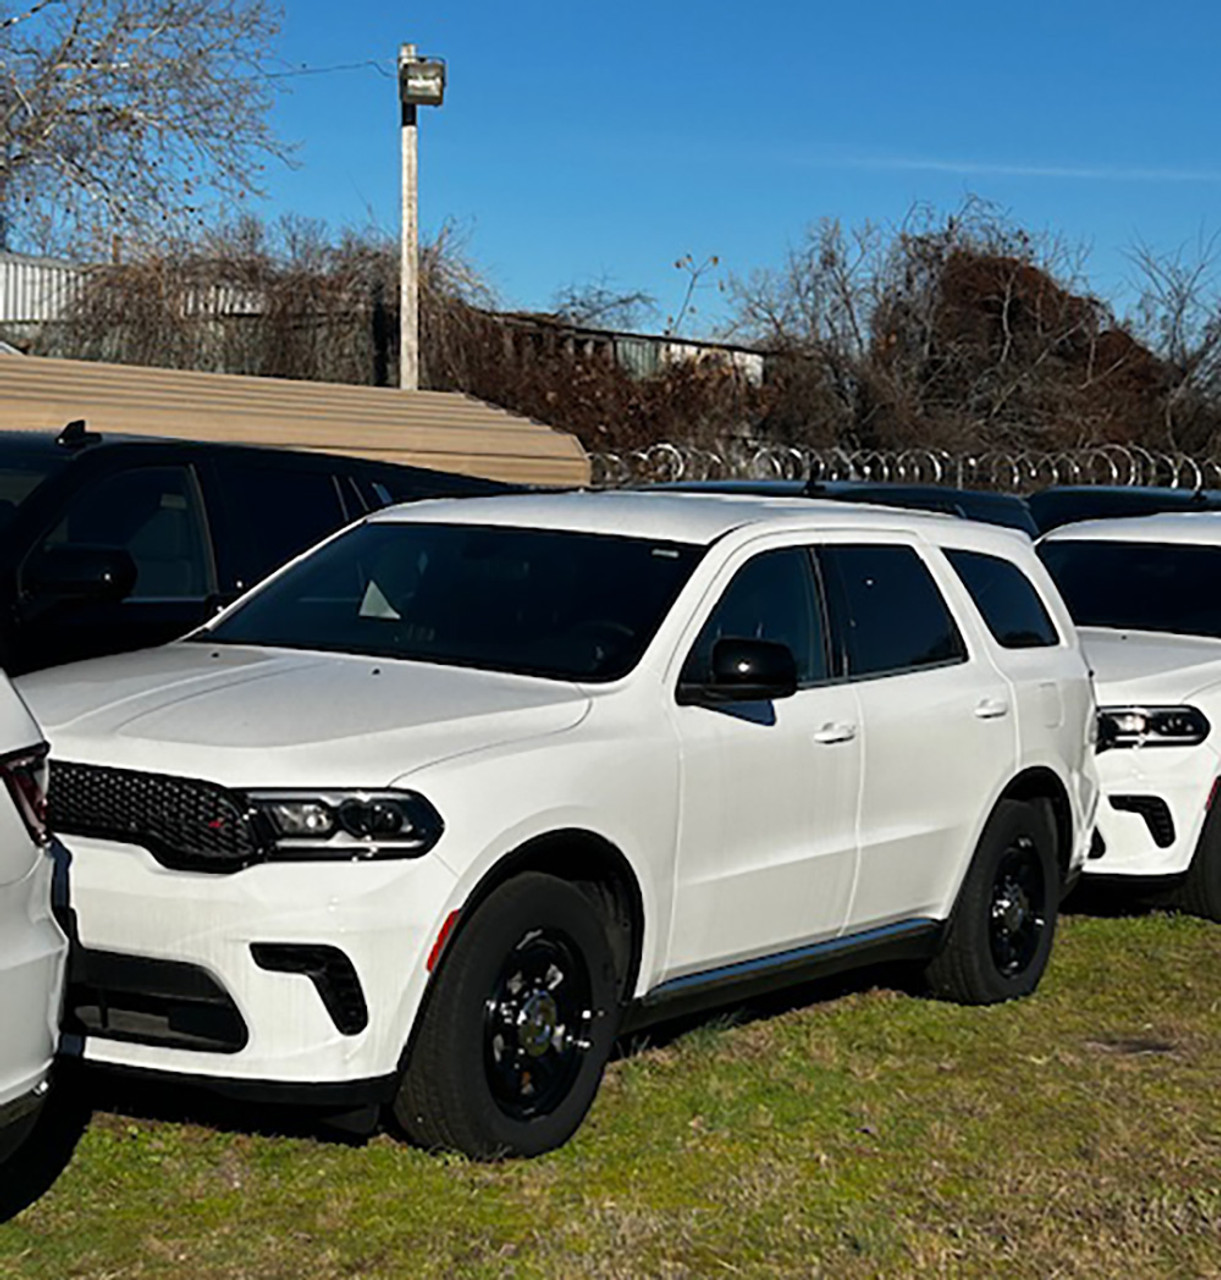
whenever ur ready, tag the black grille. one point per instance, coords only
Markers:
(1155, 812)
(184, 823)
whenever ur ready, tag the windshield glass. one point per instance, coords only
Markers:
(1139, 586)
(537, 602)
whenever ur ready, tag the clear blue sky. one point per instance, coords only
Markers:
(582, 140)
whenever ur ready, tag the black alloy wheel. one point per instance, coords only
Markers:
(1016, 920)
(538, 1024)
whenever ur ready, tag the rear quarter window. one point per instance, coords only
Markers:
(1006, 599)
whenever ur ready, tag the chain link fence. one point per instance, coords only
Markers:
(1002, 470)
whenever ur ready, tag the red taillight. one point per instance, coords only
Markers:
(25, 776)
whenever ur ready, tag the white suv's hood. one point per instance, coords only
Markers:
(1146, 667)
(274, 717)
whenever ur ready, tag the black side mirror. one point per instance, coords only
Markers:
(744, 671)
(81, 574)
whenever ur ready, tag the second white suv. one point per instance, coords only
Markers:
(433, 814)
(1146, 592)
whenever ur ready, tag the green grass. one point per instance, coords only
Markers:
(872, 1133)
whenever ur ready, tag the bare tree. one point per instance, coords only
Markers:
(1179, 316)
(129, 113)
(600, 304)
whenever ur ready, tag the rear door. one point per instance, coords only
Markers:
(938, 719)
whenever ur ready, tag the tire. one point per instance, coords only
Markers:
(506, 1067)
(1200, 892)
(999, 936)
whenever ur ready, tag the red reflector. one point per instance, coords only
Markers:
(437, 947)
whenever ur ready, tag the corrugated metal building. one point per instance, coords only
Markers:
(35, 290)
(438, 429)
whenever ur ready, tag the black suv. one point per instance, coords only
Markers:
(118, 542)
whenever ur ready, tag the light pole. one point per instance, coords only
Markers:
(421, 84)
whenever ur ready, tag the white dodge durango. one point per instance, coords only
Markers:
(437, 811)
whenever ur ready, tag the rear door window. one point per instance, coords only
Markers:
(1006, 599)
(887, 612)
(283, 510)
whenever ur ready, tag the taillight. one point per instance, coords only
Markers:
(25, 775)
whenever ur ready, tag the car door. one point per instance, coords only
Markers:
(155, 514)
(766, 850)
(939, 731)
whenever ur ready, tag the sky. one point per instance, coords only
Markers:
(601, 142)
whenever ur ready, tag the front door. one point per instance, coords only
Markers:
(767, 828)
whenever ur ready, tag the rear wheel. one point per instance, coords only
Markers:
(518, 1027)
(999, 938)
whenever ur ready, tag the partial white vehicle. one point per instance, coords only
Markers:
(1146, 594)
(432, 815)
(33, 948)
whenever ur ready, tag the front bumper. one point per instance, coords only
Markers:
(169, 979)
(1154, 802)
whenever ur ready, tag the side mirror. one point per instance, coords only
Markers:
(81, 573)
(744, 671)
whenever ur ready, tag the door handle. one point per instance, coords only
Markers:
(991, 708)
(830, 733)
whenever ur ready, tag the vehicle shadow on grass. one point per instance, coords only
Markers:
(149, 1098)
(1116, 900)
(47, 1150)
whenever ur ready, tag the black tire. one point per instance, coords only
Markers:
(508, 1057)
(1200, 892)
(999, 937)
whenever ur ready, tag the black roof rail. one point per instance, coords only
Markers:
(76, 435)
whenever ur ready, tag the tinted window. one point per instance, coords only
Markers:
(539, 602)
(153, 514)
(770, 598)
(1139, 586)
(285, 511)
(1006, 599)
(886, 611)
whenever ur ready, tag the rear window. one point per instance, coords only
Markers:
(887, 614)
(1138, 586)
(1006, 599)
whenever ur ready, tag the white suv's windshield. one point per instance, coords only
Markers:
(1138, 586)
(537, 602)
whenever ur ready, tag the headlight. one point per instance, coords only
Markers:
(345, 824)
(1151, 727)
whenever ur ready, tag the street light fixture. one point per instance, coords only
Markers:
(421, 84)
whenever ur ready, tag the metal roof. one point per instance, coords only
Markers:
(439, 429)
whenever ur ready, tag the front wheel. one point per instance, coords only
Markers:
(999, 937)
(517, 1030)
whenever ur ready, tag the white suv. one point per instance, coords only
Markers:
(434, 813)
(1146, 592)
(32, 945)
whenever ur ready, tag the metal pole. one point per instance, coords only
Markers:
(409, 299)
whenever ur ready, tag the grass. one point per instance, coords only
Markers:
(858, 1133)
